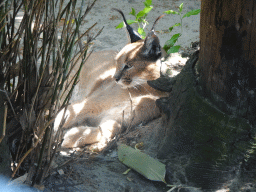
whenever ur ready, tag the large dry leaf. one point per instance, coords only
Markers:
(150, 168)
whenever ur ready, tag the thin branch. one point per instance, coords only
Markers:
(33, 146)
(4, 123)
(132, 116)
(71, 159)
(10, 103)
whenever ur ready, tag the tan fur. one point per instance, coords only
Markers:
(98, 116)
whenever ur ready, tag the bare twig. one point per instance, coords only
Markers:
(180, 187)
(45, 62)
(33, 146)
(10, 103)
(132, 116)
(4, 123)
(122, 123)
(35, 96)
(71, 159)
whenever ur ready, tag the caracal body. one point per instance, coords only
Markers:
(114, 91)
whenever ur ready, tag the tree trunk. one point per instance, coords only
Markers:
(228, 55)
(210, 113)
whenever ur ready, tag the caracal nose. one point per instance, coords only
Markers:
(117, 77)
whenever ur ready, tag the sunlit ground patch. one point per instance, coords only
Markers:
(175, 63)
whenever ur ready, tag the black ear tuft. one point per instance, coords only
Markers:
(157, 19)
(151, 48)
(134, 36)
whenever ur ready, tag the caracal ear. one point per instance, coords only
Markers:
(151, 49)
(133, 35)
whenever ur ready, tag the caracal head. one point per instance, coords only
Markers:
(138, 61)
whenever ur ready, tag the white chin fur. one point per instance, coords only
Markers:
(123, 86)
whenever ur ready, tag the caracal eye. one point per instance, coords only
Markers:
(127, 67)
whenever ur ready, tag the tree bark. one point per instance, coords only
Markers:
(210, 113)
(228, 55)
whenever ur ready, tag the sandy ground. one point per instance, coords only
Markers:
(115, 39)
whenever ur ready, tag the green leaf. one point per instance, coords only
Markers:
(171, 12)
(171, 28)
(171, 41)
(121, 25)
(166, 48)
(148, 3)
(150, 168)
(143, 12)
(181, 7)
(131, 21)
(173, 49)
(176, 36)
(142, 32)
(140, 14)
(193, 12)
(147, 9)
(133, 12)
(175, 25)
(143, 35)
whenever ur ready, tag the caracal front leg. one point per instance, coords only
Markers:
(84, 135)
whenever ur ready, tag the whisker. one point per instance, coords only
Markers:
(144, 87)
(135, 87)
(141, 85)
(138, 82)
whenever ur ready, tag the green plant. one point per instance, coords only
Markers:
(140, 18)
(40, 63)
(170, 46)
